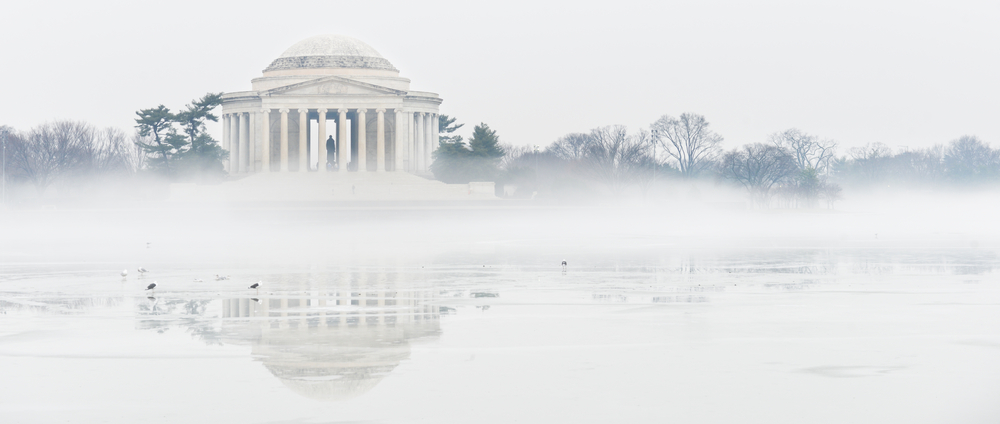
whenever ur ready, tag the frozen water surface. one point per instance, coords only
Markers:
(422, 315)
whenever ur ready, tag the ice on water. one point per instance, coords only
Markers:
(450, 316)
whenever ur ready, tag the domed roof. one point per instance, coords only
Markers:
(330, 51)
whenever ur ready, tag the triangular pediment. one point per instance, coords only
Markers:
(332, 85)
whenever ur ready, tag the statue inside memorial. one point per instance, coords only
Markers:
(331, 153)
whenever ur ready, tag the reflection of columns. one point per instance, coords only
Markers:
(419, 141)
(226, 136)
(265, 145)
(321, 139)
(303, 150)
(380, 141)
(342, 140)
(244, 141)
(284, 139)
(234, 144)
(362, 146)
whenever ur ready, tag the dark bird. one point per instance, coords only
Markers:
(564, 264)
(151, 286)
(255, 286)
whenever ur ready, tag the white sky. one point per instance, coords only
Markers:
(906, 73)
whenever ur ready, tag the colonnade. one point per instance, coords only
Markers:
(404, 140)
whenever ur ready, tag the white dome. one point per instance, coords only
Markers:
(330, 51)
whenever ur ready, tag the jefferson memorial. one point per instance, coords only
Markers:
(331, 119)
(336, 86)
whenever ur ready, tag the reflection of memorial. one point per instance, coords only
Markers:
(334, 345)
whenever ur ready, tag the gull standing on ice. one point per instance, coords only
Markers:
(152, 287)
(124, 274)
(255, 286)
(142, 271)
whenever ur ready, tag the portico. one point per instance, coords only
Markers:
(330, 86)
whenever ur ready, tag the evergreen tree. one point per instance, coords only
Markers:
(192, 153)
(446, 126)
(486, 144)
(456, 162)
(160, 141)
(452, 161)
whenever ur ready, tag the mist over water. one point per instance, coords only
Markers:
(883, 311)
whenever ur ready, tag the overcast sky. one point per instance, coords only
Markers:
(910, 73)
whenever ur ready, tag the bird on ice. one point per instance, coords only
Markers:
(152, 287)
(564, 264)
(255, 286)
(220, 278)
(142, 271)
(124, 273)
(198, 280)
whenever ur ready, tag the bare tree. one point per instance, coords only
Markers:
(50, 150)
(67, 148)
(758, 167)
(870, 160)
(808, 150)
(969, 158)
(644, 171)
(614, 156)
(114, 153)
(515, 156)
(688, 141)
(570, 147)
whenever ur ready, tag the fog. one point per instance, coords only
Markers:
(904, 74)
(695, 212)
(884, 309)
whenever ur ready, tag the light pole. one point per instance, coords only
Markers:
(656, 140)
(535, 151)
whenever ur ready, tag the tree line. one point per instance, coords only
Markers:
(790, 168)
(69, 153)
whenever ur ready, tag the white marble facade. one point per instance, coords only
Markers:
(330, 86)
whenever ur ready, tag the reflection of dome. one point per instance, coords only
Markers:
(320, 376)
(335, 349)
(330, 51)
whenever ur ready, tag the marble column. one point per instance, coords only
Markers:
(380, 140)
(226, 136)
(244, 141)
(303, 150)
(397, 144)
(265, 145)
(342, 140)
(321, 138)
(252, 136)
(362, 140)
(410, 126)
(234, 144)
(419, 142)
(428, 146)
(284, 139)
